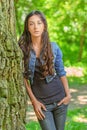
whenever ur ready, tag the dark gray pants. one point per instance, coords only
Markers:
(55, 117)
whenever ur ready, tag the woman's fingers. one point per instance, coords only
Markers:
(61, 102)
(65, 100)
(40, 114)
(38, 110)
(43, 107)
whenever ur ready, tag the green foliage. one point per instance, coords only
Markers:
(66, 24)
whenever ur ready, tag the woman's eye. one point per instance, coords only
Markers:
(39, 23)
(31, 24)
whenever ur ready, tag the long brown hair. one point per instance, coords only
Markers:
(25, 43)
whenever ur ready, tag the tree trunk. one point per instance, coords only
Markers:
(82, 38)
(12, 90)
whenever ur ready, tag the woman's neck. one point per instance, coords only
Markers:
(37, 46)
(36, 41)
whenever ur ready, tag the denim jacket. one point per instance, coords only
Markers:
(58, 64)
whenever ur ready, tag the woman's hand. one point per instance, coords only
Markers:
(38, 106)
(65, 100)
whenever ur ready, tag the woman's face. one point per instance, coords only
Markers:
(35, 26)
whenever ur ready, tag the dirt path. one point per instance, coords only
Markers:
(79, 97)
(78, 100)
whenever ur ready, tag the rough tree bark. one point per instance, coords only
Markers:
(12, 90)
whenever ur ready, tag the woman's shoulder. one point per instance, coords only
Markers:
(55, 48)
(54, 45)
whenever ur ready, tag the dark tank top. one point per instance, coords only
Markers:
(47, 93)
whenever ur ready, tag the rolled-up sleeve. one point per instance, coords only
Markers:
(26, 74)
(59, 66)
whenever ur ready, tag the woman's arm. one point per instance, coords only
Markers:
(59, 67)
(36, 104)
(65, 84)
(67, 98)
(29, 91)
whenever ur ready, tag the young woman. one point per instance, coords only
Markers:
(44, 74)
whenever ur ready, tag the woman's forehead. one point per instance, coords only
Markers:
(35, 18)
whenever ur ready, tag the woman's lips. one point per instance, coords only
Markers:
(36, 31)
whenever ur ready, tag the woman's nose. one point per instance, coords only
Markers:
(35, 26)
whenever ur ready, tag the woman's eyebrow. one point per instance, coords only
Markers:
(37, 21)
(31, 21)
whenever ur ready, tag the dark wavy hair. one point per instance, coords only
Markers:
(25, 44)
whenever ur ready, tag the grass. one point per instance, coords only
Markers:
(76, 120)
(77, 82)
(33, 125)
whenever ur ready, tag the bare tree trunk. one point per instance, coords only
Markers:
(82, 41)
(12, 90)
